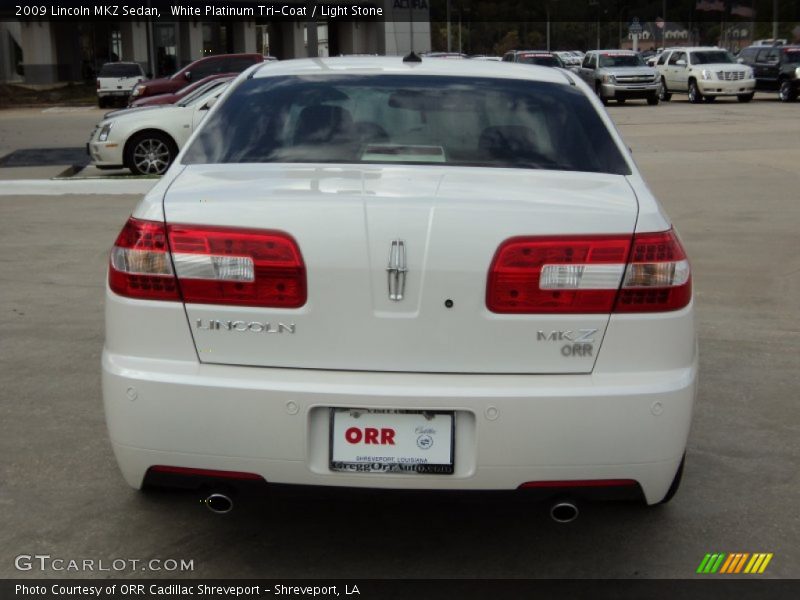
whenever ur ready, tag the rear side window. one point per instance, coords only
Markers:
(412, 119)
(543, 60)
(120, 70)
(748, 54)
(204, 68)
(238, 64)
(676, 56)
(709, 57)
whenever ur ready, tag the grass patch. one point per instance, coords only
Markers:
(79, 94)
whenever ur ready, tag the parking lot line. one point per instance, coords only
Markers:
(42, 187)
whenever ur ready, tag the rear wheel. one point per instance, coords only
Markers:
(745, 97)
(101, 102)
(663, 92)
(787, 92)
(150, 153)
(695, 96)
(652, 99)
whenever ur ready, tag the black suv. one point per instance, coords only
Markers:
(775, 68)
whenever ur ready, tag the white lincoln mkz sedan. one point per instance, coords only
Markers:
(377, 272)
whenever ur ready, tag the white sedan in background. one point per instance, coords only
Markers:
(146, 140)
(387, 273)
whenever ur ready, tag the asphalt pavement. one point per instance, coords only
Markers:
(727, 173)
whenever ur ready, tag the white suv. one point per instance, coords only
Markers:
(116, 81)
(704, 73)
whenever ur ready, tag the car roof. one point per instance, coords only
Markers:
(122, 62)
(697, 48)
(614, 50)
(394, 65)
(766, 47)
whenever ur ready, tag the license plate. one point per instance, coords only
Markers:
(392, 441)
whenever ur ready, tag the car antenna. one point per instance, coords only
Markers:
(411, 57)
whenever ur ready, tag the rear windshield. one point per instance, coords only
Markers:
(710, 57)
(120, 70)
(792, 55)
(201, 91)
(539, 59)
(412, 119)
(620, 60)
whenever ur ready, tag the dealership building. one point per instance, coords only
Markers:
(45, 53)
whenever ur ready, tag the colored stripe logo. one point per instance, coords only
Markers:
(734, 563)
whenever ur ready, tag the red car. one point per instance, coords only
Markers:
(180, 94)
(199, 69)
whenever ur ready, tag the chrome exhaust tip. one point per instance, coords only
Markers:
(218, 503)
(564, 512)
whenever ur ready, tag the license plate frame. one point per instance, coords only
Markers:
(411, 463)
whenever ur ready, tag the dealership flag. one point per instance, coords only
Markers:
(711, 5)
(743, 11)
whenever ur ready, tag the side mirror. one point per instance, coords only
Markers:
(187, 76)
(680, 63)
(209, 103)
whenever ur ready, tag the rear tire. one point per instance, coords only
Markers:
(676, 483)
(695, 95)
(663, 92)
(787, 92)
(101, 102)
(745, 97)
(652, 100)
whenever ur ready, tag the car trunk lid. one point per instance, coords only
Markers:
(350, 222)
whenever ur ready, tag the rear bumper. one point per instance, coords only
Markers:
(510, 429)
(113, 93)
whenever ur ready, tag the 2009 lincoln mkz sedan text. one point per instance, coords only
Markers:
(387, 273)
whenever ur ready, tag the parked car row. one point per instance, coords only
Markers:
(147, 139)
(147, 142)
(126, 81)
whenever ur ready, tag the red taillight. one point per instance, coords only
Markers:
(140, 263)
(658, 277)
(589, 274)
(583, 483)
(569, 274)
(213, 265)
